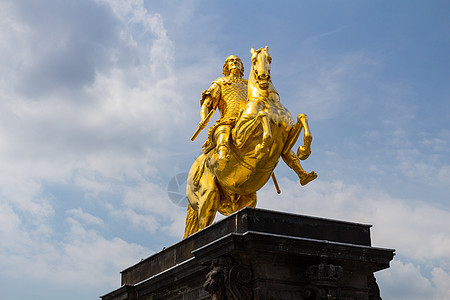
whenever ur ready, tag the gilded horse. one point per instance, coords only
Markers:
(264, 132)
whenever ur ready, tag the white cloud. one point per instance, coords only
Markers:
(441, 279)
(96, 268)
(438, 143)
(148, 206)
(80, 258)
(404, 281)
(407, 281)
(99, 134)
(85, 217)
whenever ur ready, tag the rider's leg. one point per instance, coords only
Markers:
(222, 141)
(293, 162)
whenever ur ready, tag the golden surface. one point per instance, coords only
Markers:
(245, 144)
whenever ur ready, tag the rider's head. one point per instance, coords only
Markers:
(233, 62)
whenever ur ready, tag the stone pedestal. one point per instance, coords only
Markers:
(261, 254)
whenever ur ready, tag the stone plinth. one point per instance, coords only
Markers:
(261, 254)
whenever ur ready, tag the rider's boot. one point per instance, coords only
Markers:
(223, 155)
(223, 151)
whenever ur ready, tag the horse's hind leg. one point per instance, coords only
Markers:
(191, 222)
(203, 196)
(246, 200)
(208, 199)
(208, 208)
(204, 199)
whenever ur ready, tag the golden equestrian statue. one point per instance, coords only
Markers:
(245, 145)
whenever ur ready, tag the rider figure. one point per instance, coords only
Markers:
(229, 94)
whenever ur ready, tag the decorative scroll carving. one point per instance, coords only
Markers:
(228, 280)
(323, 280)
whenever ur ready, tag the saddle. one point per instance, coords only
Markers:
(210, 143)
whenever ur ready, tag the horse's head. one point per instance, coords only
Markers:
(261, 60)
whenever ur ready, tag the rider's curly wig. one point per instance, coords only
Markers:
(226, 71)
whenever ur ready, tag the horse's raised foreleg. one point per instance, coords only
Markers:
(303, 152)
(263, 148)
(294, 134)
(247, 126)
(293, 162)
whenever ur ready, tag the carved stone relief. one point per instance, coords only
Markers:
(228, 280)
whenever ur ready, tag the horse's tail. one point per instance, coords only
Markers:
(191, 222)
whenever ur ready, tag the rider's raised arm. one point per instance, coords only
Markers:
(205, 107)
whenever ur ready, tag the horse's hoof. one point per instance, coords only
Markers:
(308, 177)
(303, 153)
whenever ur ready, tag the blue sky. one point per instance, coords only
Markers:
(98, 100)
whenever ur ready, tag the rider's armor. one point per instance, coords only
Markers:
(233, 96)
(229, 95)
